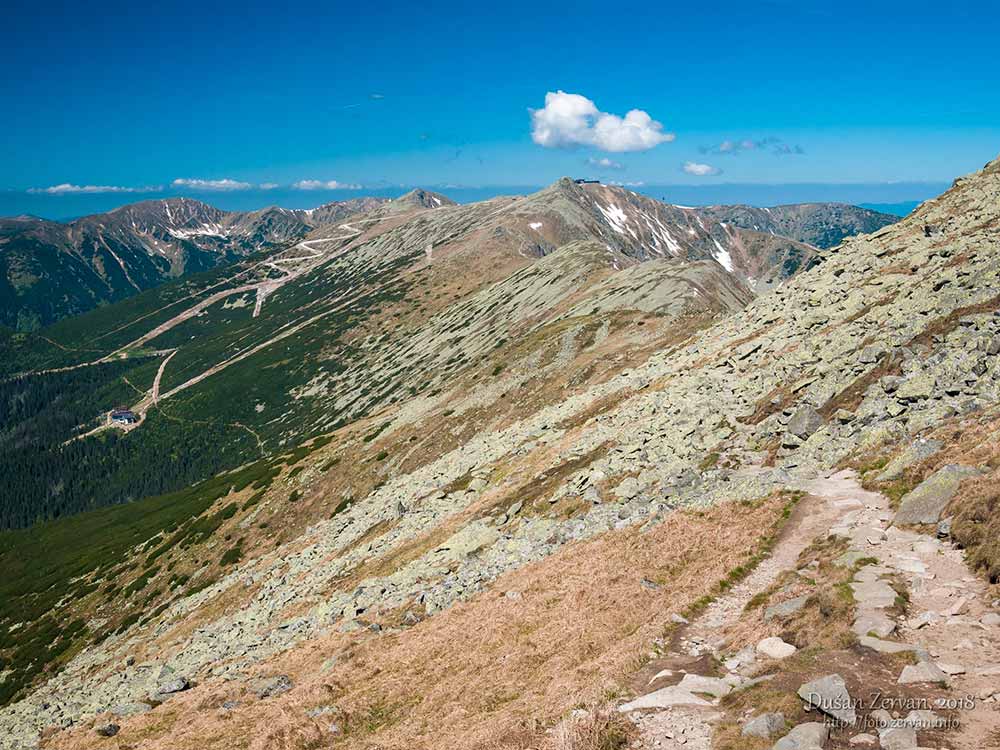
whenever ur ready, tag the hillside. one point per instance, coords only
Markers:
(387, 306)
(492, 463)
(822, 225)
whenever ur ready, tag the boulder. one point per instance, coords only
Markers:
(829, 694)
(925, 671)
(917, 387)
(107, 729)
(875, 623)
(898, 738)
(805, 422)
(862, 739)
(924, 504)
(266, 687)
(873, 594)
(764, 725)
(168, 688)
(786, 608)
(809, 736)
(695, 683)
(628, 488)
(913, 454)
(775, 648)
(664, 698)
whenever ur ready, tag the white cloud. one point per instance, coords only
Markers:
(66, 188)
(700, 170)
(605, 163)
(569, 120)
(736, 147)
(226, 184)
(325, 185)
(268, 185)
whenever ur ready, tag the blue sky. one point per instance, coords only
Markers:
(381, 95)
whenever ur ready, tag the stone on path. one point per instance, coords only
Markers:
(873, 622)
(924, 504)
(829, 694)
(695, 683)
(898, 738)
(809, 736)
(890, 647)
(925, 671)
(764, 725)
(664, 698)
(775, 648)
(873, 594)
(863, 739)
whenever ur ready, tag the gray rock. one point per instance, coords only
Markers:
(862, 739)
(267, 687)
(107, 729)
(917, 387)
(873, 594)
(809, 736)
(898, 738)
(913, 454)
(664, 698)
(628, 488)
(167, 689)
(786, 608)
(805, 422)
(873, 623)
(764, 725)
(775, 648)
(829, 694)
(695, 683)
(924, 504)
(131, 709)
(925, 671)
(889, 647)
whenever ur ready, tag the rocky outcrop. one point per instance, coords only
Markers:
(924, 504)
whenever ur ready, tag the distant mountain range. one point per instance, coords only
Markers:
(50, 270)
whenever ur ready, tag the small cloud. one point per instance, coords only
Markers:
(225, 185)
(268, 185)
(376, 96)
(66, 188)
(736, 147)
(569, 120)
(786, 149)
(325, 185)
(604, 163)
(637, 183)
(700, 170)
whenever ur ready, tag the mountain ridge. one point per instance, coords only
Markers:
(490, 452)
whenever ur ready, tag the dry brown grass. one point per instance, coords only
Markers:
(601, 728)
(976, 524)
(579, 624)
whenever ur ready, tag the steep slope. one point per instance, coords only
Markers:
(50, 270)
(822, 225)
(475, 439)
